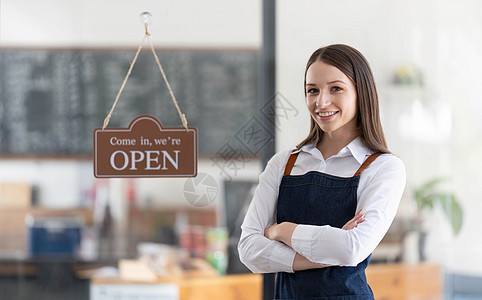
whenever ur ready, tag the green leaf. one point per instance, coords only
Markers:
(426, 201)
(424, 195)
(452, 210)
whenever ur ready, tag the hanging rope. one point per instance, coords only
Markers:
(181, 115)
(146, 35)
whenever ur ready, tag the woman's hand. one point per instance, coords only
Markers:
(357, 219)
(281, 232)
(272, 232)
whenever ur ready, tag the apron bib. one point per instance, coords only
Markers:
(320, 199)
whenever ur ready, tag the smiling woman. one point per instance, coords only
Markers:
(320, 209)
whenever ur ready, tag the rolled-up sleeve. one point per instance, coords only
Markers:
(258, 253)
(379, 193)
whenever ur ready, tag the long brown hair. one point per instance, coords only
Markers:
(354, 65)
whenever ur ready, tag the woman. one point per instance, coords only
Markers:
(320, 210)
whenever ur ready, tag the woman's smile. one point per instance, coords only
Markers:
(325, 116)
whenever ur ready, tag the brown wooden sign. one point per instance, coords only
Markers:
(145, 149)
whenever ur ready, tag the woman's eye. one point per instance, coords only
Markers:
(336, 89)
(312, 91)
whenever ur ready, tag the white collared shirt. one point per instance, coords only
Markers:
(379, 192)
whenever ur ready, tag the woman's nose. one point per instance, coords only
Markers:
(323, 100)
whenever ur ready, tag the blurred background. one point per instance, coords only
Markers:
(236, 68)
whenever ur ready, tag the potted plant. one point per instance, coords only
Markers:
(427, 197)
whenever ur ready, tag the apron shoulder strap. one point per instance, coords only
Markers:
(291, 162)
(366, 163)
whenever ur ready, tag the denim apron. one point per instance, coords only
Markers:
(320, 199)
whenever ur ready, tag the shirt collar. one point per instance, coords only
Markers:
(355, 148)
(359, 149)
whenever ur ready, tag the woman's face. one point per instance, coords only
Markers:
(331, 99)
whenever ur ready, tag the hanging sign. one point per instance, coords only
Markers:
(145, 149)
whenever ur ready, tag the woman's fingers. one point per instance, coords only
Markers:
(351, 224)
(357, 219)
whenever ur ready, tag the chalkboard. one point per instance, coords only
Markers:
(51, 100)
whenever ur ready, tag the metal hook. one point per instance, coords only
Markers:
(146, 18)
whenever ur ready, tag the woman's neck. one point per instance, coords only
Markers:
(331, 143)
